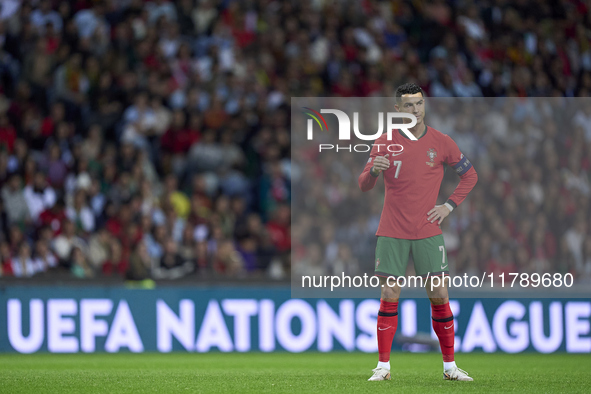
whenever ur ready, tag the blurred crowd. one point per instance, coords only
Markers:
(150, 139)
(137, 142)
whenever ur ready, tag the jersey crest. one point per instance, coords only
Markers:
(432, 155)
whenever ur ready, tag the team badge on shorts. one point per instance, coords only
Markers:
(377, 263)
(432, 155)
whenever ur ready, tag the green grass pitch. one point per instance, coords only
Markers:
(287, 373)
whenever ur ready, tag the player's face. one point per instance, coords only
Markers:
(413, 104)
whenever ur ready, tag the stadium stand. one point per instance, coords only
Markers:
(150, 140)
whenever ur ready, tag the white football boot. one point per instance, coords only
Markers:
(380, 374)
(456, 373)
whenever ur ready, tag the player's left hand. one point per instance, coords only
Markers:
(439, 212)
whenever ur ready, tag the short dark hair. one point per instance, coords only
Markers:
(408, 88)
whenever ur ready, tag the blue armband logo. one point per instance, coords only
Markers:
(462, 166)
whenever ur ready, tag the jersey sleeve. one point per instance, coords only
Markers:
(463, 167)
(366, 180)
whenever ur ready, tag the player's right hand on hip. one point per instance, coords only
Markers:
(381, 163)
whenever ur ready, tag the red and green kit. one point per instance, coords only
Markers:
(412, 184)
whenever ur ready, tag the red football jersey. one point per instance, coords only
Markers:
(414, 179)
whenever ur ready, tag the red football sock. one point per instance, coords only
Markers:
(387, 323)
(443, 324)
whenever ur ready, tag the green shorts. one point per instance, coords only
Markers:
(428, 254)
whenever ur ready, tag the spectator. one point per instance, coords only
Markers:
(187, 247)
(6, 256)
(45, 15)
(203, 16)
(140, 122)
(16, 238)
(311, 264)
(227, 260)
(66, 241)
(466, 87)
(345, 262)
(15, 203)
(275, 188)
(71, 83)
(53, 217)
(91, 21)
(99, 248)
(207, 155)
(178, 200)
(161, 8)
(78, 263)
(23, 264)
(504, 265)
(225, 215)
(202, 257)
(80, 213)
(45, 260)
(163, 117)
(247, 248)
(575, 238)
(585, 269)
(116, 263)
(443, 87)
(39, 196)
(278, 228)
(171, 39)
(7, 134)
(140, 263)
(231, 152)
(92, 146)
(177, 141)
(172, 265)
(56, 167)
(4, 224)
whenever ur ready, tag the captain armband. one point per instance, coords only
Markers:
(462, 166)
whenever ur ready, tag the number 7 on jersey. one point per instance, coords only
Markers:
(397, 164)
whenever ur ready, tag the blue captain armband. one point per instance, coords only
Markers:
(462, 166)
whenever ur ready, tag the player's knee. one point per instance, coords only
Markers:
(438, 301)
(438, 296)
(390, 291)
(438, 293)
(389, 297)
